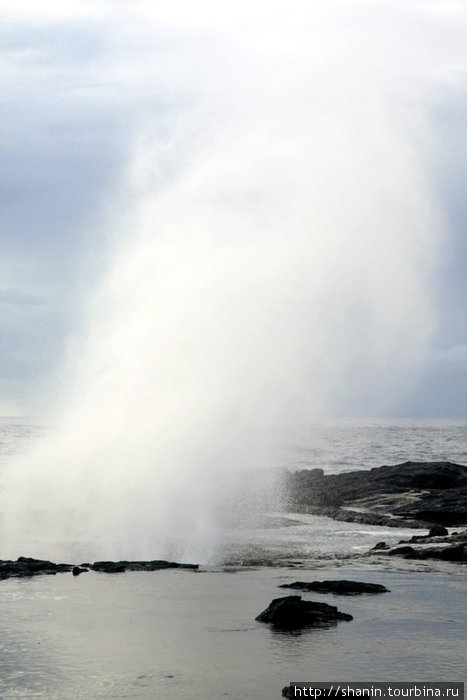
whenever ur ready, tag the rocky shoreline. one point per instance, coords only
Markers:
(418, 495)
(412, 494)
(26, 567)
(441, 547)
(427, 547)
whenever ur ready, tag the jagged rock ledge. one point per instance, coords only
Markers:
(25, 567)
(412, 494)
(427, 547)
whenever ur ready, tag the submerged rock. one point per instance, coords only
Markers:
(340, 587)
(292, 612)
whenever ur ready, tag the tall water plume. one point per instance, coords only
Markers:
(273, 265)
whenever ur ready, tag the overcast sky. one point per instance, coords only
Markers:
(91, 88)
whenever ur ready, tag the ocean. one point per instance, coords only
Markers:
(192, 635)
(333, 445)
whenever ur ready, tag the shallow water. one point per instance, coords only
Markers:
(193, 635)
(319, 542)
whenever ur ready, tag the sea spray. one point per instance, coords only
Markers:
(278, 271)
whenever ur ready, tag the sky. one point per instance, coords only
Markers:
(109, 105)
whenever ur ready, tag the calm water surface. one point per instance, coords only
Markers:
(193, 635)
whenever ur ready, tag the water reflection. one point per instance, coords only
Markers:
(142, 635)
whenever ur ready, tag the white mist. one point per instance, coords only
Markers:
(273, 265)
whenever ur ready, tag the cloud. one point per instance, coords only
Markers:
(19, 297)
(454, 358)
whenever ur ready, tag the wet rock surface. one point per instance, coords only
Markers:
(437, 531)
(450, 548)
(412, 494)
(339, 587)
(25, 567)
(292, 612)
(115, 567)
(381, 545)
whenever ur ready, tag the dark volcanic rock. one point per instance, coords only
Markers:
(115, 567)
(109, 567)
(380, 545)
(25, 567)
(292, 612)
(157, 564)
(341, 587)
(365, 516)
(455, 553)
(420, 492)
(401, 551)
(416, 548)
(438, 531)
(430, 538)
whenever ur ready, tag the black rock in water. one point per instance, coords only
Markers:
(442, 536)
(115, 567)
(157, 564)
(416, 548)
(109, 567)
(401, 551)
(25, 567)
(454, 553)
(340, 587)
(438, 531)
(292, 612)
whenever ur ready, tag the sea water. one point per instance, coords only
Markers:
(332, 445)
(192, 635)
